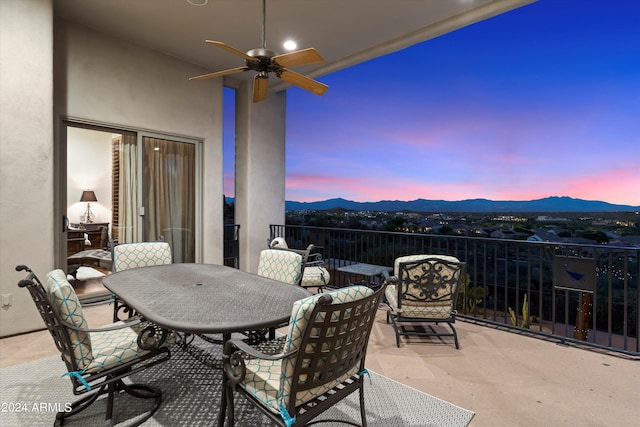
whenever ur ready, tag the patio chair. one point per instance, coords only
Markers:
(97, 360)
(283, 264)
(315, 273)
(321, 363)
(135, 255)
(423, 290)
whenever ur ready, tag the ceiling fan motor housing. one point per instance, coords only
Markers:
(264, 62)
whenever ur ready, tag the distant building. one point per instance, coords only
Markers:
(544, 218)
(541, 235)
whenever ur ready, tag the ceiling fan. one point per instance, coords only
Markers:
(265, 61)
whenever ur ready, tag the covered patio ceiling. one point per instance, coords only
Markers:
(345, 33)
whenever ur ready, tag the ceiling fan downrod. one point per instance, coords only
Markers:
(264, 24)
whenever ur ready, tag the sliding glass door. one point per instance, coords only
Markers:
(147, 186)
(156, 192)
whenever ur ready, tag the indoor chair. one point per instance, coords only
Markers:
(97, 360)
(322, 361)
(423, 290)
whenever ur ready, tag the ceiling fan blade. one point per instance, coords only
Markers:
(303, 82)
(299, 57)
(260, 87)
(231, 49)
(219, 73)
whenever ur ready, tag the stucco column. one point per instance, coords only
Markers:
(26, 161)
(260, 170)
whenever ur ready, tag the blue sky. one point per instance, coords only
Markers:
(540, 101)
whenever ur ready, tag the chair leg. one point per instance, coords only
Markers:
(110, 395)
(391, 318)
(135, 390)
(230, 412)
(455, 335)
(80, 405)
(363, 414)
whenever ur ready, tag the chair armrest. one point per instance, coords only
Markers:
(389, 279)
(315, 260)
(113, 327)
(233, 363)
(235, 345)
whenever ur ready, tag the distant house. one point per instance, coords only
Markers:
(508, 234)
(459, 229)
(631, 241)
(541, 235)
(551, 219)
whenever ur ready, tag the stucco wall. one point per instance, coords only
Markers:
(97, 79)
(110, 81)
(26, 146)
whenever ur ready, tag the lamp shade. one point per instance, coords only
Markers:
(88, 196)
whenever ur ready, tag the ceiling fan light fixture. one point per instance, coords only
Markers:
(198, 2)
(290, 45)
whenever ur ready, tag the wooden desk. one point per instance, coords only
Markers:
(93, 230)
(75, 241)
(89, 226)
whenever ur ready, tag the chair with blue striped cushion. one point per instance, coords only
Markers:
(322, 361)
(424, 290)
(135, 255)
(99, 359)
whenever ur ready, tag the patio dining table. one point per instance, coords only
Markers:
(205, 299)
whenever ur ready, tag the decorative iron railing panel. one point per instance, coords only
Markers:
(502, 273)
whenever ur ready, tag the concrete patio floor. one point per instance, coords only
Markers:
(505, 378)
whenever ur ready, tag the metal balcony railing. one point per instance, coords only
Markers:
(510, 283)
(231, 250)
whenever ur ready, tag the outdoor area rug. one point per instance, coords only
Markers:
(31, 393)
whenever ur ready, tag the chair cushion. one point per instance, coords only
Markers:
(284, 266)
(65, 302)
(119, 346)
(270, 381)
(315, 276)
(439, 307)
(435, 310)
(134, 255)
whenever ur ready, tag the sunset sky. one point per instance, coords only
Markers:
(541, 101)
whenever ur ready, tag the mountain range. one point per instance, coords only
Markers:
(548, 204)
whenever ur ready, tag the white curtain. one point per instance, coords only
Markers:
(128, 190)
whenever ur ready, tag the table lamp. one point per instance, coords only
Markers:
(88, 196)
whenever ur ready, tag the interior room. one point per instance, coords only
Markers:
(89, 152)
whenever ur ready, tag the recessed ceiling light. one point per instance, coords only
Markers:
(198, 2)
(290, 45)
